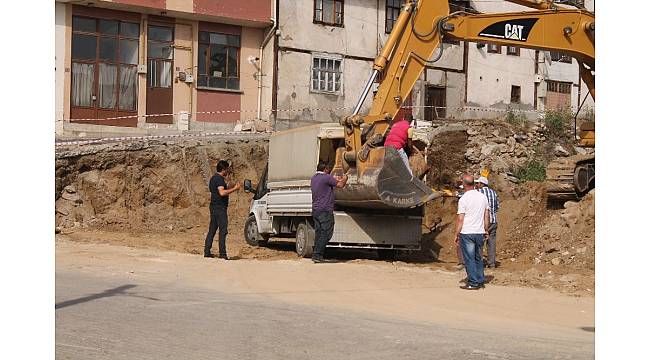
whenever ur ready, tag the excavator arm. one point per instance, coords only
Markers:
(378, 177)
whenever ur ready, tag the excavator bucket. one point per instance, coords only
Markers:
(382, 182)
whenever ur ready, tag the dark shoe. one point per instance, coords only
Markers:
(492, 266)
(208, 255)
(318, 260)
(470, 287)
(223, 256)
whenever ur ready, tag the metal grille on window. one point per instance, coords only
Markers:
(326, 75)
(393, 8)
(558, 86)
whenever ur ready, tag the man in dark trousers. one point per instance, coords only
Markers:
(493, 202)
(219, 209)
(322, 210)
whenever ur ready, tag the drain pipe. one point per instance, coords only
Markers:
(259, 76)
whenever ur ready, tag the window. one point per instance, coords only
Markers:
(104, 63)
(393, 8)
(328, 12)
(512, 50)
(218, 60)
(558, 56)
(160, 55)
(494, 48)
(558, 86)
(515, 94)
(327, 74)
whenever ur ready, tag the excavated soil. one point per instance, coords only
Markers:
(153, 194)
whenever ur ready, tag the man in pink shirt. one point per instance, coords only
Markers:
(399, 138)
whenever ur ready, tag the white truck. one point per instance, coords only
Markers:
(281, 206)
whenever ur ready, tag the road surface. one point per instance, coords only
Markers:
(116, 302)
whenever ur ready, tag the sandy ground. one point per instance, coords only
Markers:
(408, 293)
(191, 242)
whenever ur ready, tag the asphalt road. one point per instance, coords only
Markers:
(105, 312)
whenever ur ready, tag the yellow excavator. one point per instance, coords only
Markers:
(378, 178)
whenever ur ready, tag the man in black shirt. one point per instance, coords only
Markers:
(219, 209)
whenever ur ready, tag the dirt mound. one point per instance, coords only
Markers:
(149, 185)
(536, 245)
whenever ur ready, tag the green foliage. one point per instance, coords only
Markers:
(557, 122)
(514, 118)
(588, 114)
(532, 170)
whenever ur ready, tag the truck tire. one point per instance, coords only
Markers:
(252, 235)
(305, 236)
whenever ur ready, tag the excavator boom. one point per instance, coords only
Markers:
(378, 177)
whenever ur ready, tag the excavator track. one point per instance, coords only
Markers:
(570, 178)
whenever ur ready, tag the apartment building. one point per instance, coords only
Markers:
(142, 66)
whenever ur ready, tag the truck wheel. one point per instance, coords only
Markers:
(251, 234)
(305, 236)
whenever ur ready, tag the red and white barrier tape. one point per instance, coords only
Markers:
(206, 113)
(154, 137)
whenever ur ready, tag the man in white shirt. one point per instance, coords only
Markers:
(471, 229)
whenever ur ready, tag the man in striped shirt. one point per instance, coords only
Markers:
(493, 205)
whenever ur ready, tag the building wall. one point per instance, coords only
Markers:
(490, 78)
(267, 70)
(357, 36)
(59, 64)
(251, 39)
(186, 97)
(485, 69)
(294, 91)
(557, 71)
(300, 37)
(359, 41)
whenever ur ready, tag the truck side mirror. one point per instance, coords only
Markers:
(248, 187)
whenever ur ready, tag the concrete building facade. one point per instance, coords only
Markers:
(324, 52)
(142, 66)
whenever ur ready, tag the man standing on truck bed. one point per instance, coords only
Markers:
(219, 209)
(322, 209)
(399, 138)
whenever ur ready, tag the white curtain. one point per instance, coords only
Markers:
(165, 73)
(83, 82)
(128, 87)
(107, 86)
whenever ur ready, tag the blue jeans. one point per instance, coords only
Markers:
(472, 246)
